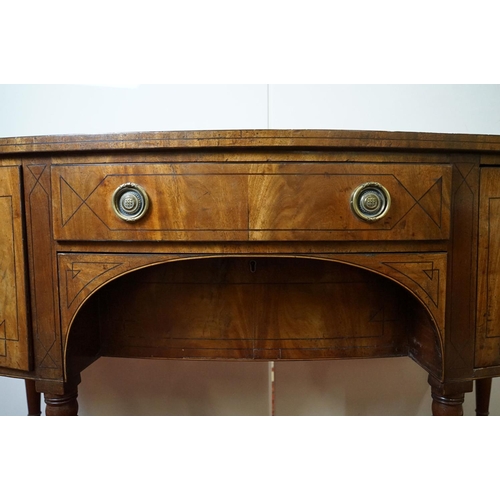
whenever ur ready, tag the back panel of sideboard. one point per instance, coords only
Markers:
(261, 308)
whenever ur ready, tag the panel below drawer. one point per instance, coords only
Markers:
(238, 202)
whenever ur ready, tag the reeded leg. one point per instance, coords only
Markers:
(33, 398)
(483, 391)
(65, 405)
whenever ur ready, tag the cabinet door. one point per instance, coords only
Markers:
(14, 349)
(488, 318)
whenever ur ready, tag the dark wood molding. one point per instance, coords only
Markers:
(336, 139)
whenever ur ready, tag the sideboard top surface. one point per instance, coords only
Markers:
(314, 139)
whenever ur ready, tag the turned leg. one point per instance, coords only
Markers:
(33, 398)
(446, 406)
(448, 398)
(65, 405)
(483, 391)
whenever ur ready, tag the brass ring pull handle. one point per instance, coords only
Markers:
(370, 201)
(130, 202)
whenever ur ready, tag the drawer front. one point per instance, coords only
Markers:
(224, 202)
(14, 349)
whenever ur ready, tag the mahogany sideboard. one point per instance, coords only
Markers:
(250, 245)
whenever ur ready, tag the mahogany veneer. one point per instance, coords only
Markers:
(254, 245)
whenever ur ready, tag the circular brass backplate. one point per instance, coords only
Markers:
(370, 201)
(130, 202)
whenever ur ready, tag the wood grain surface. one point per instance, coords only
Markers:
(250, 250)
(227, 306)
(44, 293)
(14, 339)
(253, 308)
(254, 139)
(488, 308)
(247, 202)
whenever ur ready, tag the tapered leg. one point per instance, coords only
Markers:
(65, 405)
(483, 391)
(33, 398)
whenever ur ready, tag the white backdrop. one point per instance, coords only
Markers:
(138, 387)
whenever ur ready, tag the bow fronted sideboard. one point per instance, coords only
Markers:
(250, 245)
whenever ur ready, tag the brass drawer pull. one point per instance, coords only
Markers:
(370, 201)
(130, 202)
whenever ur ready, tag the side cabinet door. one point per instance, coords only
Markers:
(14, 348)
(488, 318)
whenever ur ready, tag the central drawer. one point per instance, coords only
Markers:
(249, 201)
